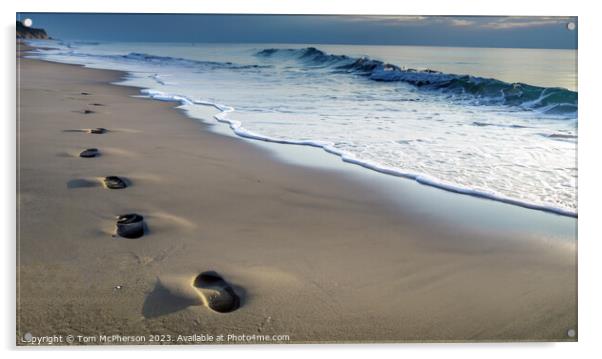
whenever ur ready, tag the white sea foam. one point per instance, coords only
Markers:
(238, 129)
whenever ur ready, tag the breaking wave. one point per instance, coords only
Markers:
(486, 91)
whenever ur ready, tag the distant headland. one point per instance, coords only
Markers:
(24, 32)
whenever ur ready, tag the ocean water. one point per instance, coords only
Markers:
(494, 123)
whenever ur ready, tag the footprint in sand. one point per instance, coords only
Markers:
(216, 292)
(98, 131)
(173, 293)
(130, 226)
(96, 104)
(114, 182)
(85, 93)
(87, 112)
(89, 153)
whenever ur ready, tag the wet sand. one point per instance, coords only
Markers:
(313, 254)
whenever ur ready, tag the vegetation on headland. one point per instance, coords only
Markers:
(24, 32)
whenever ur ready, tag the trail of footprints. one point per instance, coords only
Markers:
(215, 292)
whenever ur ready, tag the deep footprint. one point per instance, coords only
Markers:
(218, 294)
(89, 153)
(114, 182)
(130, 226)
(98, 131)
(87, 112)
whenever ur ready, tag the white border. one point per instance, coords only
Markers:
(375, 7)
(590, 132)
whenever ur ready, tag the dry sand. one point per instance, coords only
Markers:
(313, 254)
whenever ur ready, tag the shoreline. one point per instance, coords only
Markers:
(309, 156)
(238, 130)
(356, 243)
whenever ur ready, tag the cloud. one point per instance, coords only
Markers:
(461, 22)
(417, 20)
(483, 22)
(513, 22)
(387, 19)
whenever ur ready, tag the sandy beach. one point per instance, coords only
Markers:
(313, 255)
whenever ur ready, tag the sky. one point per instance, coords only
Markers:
(464, 31)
